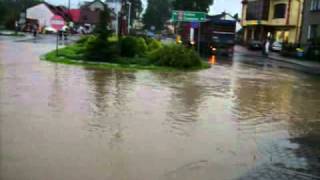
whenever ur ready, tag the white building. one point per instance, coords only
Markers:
(114, 5)
(44, 12)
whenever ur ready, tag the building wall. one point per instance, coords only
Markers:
(96, 6)
(309, 18)
(41, 13)
(90, 14)
(115, 6)
(288, 27)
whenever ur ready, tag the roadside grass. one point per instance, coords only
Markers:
(74, 55)
(12, 34)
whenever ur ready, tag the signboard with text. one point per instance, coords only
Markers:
(57, 22)
(188, 16)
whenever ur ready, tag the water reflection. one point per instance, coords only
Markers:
(186, 96)
(232, 121)
(265, 108)
(108, 102)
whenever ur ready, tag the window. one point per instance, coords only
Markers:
(258, 10)
(280, 11)
(315, 5)
(312, 31)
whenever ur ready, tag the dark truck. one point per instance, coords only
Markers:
(218, 35)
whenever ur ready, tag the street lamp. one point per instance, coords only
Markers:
(115, 9)
(129, 16)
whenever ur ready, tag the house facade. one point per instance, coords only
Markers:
(114, 5)
(90, 12)
(311, 21)
(279, 20)
(42, 14)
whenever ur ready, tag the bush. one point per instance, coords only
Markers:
(141, 46)
(73, 51)
(289, 50)
(84, 39)
(132, 47)
(176, 56)
(154, 45)
(98, 49)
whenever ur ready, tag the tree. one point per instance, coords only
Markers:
(102, 30)
(157, 13)
(98, 47)
(192, 5)
(10, 10)
(136, 9)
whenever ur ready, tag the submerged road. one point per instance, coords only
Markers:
(244, 118)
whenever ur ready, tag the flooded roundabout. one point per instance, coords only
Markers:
(232, 121)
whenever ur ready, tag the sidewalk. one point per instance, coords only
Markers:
(312, 66)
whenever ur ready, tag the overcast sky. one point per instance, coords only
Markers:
(231, 6)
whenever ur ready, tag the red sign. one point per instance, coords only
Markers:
(57, 22)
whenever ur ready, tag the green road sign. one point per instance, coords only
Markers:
(188, 16)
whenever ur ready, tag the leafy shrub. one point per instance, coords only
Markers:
(176, 56)
(289, 50)
(141, 46)
(131, 46)
(99, 49)
(154, 45)
(136, 61)
(313, 50)
(73, 51)
(83, 39)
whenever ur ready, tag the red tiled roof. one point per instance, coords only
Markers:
(75, 15)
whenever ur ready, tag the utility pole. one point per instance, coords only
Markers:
(129, 16)
(117, 17)
(69, 6)
(121, 17)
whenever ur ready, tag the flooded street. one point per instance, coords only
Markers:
(232, 121)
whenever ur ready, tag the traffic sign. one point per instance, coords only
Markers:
(57, 22)
(188, 16)
(195, 25)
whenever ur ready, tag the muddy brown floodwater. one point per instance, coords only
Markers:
(233, 121)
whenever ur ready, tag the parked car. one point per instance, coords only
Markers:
(49, 30)
(276, 46)
(255, 45)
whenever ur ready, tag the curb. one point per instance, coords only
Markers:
(313, 70)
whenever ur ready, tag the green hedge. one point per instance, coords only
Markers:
(133, 51)
(176, 56)
(131, 46)
(102, 50)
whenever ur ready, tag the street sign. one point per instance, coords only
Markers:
(57, 22)
(188, 16)
(195, 25)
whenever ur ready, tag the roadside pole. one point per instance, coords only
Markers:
(129, 18)
(199, 37)
(57, 44)
(57, 23)
(190, 16)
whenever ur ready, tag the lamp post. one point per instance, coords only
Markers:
(115, 9)
(129, 16)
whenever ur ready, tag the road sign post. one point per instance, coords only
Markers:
(57, 23)
(190, 16)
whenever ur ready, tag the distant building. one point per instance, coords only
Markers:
(114, 5)
(90, 12)
(311, 21)
(75, 15)
(277, 19)
(42, 14)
